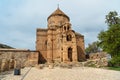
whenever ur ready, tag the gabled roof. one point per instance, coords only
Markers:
(41, 29)
(78, 34)
(59, 13)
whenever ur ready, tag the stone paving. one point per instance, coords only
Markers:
(76, 73)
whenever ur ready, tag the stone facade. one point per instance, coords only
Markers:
(59, 42)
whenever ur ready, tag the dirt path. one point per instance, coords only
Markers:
(76, 73)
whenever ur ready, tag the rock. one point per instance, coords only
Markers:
(51, 66)
(40, 66)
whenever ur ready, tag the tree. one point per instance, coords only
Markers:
(112, 18)
(109, 40)
(92, 48)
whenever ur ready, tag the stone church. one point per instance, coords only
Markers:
(59, 42)
(56, 43)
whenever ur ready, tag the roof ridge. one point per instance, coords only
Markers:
(59, 12)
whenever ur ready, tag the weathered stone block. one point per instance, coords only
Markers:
(5, 65)
(11, 64)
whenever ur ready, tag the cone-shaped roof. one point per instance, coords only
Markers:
(59, 13)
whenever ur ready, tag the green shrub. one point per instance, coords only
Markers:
(114, 62)
(114, 68)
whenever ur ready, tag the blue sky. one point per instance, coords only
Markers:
(20, 18)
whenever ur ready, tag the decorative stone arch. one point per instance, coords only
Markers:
(68, 26)
(70, 35)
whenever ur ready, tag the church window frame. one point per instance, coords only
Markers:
(65, 28)
(69, 37)
(68, 28)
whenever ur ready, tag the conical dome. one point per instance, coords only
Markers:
(58, 12)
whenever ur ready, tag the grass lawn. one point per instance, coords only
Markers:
(114, 68)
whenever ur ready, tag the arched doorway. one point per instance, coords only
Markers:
(70, 54)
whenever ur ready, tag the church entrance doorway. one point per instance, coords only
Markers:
(70, 54)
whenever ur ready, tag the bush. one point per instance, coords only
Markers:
(114, 62)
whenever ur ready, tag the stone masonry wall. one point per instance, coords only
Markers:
(41, 44)
(80, 48)
(10, 59)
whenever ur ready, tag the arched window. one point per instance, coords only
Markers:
(68, 28)
(64, 28)
(69, 37)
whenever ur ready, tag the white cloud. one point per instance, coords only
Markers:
(19, 19)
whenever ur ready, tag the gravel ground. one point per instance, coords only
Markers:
(76, 73)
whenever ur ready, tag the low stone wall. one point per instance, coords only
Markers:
(97, 55)
(99, 59)
(13, 58)
(33, 59)
(103, 62)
